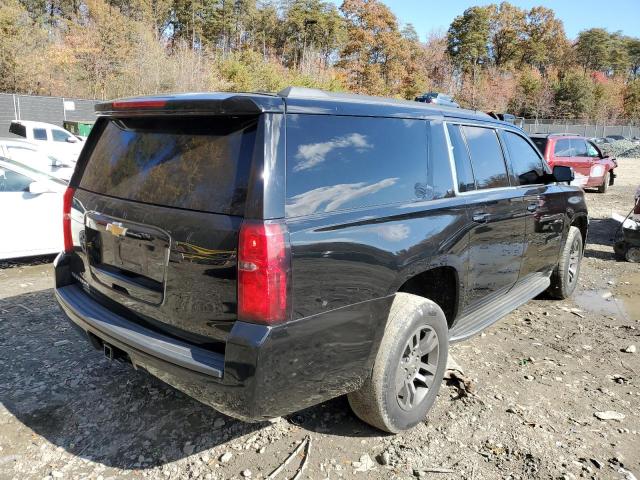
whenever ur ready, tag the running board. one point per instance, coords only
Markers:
(486, 315)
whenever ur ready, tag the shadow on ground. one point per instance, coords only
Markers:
(602, 231)
(53, 382)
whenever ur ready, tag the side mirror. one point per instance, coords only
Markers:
(563, 174)
(72, 140)
(39, 187)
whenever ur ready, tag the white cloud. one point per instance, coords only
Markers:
(392, 233)
(334, 197)
(312, 154)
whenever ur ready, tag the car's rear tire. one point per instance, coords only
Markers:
(408, 368)
(605, 184)
(564, 278)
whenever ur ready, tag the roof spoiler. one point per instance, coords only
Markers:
(197, 104)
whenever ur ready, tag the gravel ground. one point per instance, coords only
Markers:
(534, 384)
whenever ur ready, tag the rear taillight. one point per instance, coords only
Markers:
(263, 272)
(66, 218)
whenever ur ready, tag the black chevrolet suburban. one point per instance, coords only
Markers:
(264, 253)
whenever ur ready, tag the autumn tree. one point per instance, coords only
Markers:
(533, 97)
(592, 49)
(23, 51)
(374, 52)
(574, 96)
(632, 100)
(506, 34)
(545, 43)
(468, 37)
(310, 25)
(633, 49)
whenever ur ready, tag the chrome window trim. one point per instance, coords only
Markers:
(457, 192)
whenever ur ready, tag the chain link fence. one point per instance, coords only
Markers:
(53, 110)
(578, 127)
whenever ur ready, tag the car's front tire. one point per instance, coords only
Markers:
(409, 366)
(605, 184)
(564, 278)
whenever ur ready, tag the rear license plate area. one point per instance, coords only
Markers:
(128, 258)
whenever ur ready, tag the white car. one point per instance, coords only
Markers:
(30, 211)
(35, 157)
(55, 140)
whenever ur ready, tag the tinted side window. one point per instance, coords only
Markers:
(439, 175)
(464, 172)
(39, 134)
(59, 136)
(486, 156)
(541, 143)
(13, 182)
(526, 163)
(563, 148)
(337, 163)
(579, 147)
(18, 129)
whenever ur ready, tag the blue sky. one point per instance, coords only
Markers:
(428, 15)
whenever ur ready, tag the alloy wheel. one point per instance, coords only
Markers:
(417, 367)
(574, 261)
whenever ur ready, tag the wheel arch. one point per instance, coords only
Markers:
(438, 283)
(581, 221)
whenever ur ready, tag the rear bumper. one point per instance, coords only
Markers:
(265, 371)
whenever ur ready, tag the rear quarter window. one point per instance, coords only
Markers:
(193, 163)
(338, 163)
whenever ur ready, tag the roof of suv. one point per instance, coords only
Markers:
(291, 100)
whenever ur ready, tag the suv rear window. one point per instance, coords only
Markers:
(184, 162)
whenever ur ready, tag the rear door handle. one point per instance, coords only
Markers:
(480, 217)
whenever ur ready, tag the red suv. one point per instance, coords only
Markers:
(592, 168)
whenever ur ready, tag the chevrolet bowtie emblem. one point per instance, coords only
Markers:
(116, 229)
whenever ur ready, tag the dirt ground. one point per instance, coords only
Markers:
(538, 378)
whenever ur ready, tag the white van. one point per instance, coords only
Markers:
(53, 139)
